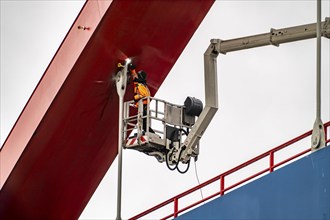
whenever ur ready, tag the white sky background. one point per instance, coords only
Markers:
(266, 95)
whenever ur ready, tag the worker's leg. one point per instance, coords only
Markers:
(144, 126)
(145, 109)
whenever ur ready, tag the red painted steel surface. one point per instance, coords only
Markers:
(48, 87)
(66, 137)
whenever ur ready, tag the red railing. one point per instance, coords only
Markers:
(222, 176)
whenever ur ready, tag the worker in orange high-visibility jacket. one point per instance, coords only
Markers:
(141, 91)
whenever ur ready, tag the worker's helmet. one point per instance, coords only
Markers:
(142, 75)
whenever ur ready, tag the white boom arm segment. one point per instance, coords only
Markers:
(274, 37)
(211, 102)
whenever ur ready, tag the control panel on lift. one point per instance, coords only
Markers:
(160, 128)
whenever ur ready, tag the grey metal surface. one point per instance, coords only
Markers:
(318, 134)
(211, 102)
(173, 114)
(275, 37)
(121, 83)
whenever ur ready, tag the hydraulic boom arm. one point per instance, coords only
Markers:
(274, 37)
(211, 102)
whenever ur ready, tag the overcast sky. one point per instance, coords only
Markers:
(266, 95)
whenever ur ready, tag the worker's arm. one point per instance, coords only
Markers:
(137, 97)
(134, 74)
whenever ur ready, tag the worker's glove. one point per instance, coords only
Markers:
(137, 97)
(119, 65)
(134, 105)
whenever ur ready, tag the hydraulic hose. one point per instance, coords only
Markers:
(168, 165)
(188, 165)
(176, 166)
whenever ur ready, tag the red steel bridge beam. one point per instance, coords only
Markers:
(66, 136)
